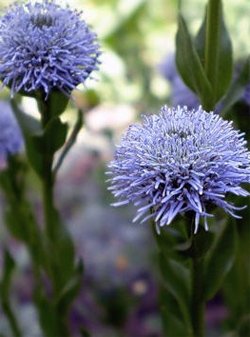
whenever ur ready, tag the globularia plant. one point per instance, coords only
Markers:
(182, 168)
(46, 51)
(180, 161)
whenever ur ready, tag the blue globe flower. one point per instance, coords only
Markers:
(180, 161)
(44, 46)
(11, 140)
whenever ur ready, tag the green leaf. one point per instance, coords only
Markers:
(71, 289)
(190, 66)
(52, 138)
(61, 253)
(8, 268)
(237, 88)
(5, 284)
(56, 103)
(214, 47)
(173, 324)
(220, 259)
(47, 316)
(177, 279)
(71, 141)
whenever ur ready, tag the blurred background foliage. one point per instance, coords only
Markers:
(119, 296)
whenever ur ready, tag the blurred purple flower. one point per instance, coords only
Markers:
(44, 46)
(180, 93)
(246, 95)
(178, 161)
(11, 141)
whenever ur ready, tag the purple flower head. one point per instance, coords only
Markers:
(44, 46)
(180, 161)
(180, 93)
(11, 141)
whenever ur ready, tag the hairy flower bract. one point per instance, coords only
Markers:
(44, 46)
(180, 161)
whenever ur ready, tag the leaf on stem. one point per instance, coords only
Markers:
(190, 66)
(52, 138)
(71, 289)
(173, 323)
(237, 88)
(214, 47)
(71, 141)
(177, 280)
(48, 316)
(8, 268)
(220, 259)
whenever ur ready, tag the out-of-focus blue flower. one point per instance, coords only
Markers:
(45, 46)
(11, 141)
(246, 95)
(180, 93)
(178, 161)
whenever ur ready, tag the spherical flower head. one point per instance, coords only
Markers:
(180, 161)
(44, 46)
(11, 140)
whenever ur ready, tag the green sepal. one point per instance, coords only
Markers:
(220, 259)
(220, 57)
(189, 65)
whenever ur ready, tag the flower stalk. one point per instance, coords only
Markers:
(198, 304)
(52, 223)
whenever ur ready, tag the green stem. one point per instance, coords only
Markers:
(51, 218)
(212, 40)
(198, 305)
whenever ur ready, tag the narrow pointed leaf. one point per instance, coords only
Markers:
(177, 280)
(190, 66)
(214, 47)
(237, 88)
(220, 259)
(173, 323)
